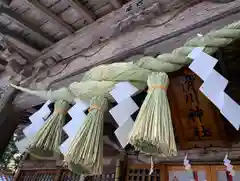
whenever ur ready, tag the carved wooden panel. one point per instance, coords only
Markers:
(196, 121)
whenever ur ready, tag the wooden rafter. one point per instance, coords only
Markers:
(19, 20)
(88, 15)
(52, 17)
(5, 31)
(115, 3)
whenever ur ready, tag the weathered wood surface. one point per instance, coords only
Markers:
(52, 16)
(21, 23)
(56, 18)
(102, 29)
(132, 41)
(198, 19)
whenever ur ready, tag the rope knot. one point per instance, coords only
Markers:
(94, 106)
(60, 111)
(157, 86)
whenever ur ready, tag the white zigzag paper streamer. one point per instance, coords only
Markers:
(186, 163)
(71, 128)
(214, 85)
(229, 166)
(122, 112)
(37, 120)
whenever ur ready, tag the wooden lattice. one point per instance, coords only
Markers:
(46, 175)
(59, 175)
(103, 177)
(69, 176)
(141, 173)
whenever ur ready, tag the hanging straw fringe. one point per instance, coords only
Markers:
(85, 154)
(46, 142)
(152, 132)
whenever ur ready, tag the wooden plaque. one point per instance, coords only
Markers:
(196, 121)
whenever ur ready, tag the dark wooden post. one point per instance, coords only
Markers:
(118, 171)
(8, 117)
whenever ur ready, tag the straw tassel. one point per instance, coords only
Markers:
(46, 142)
(85, 154)
(152, 132)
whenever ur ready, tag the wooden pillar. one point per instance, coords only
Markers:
(8, 118)
(58, 175)
(125, 166)
(117, 172)
(17, 174)
(6, 96)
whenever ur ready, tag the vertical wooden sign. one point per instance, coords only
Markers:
(196, 121)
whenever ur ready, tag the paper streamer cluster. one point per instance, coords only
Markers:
(122, 112)
(214, 85)
(37, 120)
(71, 128)
(122, 93)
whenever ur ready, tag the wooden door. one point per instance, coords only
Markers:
(198, 173)
(219, 173)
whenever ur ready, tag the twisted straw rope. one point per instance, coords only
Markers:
(211, 41)
(168, 62)
(101, 79)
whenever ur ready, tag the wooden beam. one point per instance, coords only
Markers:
(88, 15)
(143, 41)
(101, 28)
(115, 3)
(13, 34)
(22, 48)
(52, 17)
(19, 20)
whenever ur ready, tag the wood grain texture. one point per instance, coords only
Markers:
(52, 17)
(88, 15)
(135, 41)
(101, 29)
(197, 122)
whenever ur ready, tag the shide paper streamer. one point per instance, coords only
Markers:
(214, 85)
(122, 112)
(37, 120)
